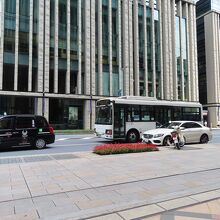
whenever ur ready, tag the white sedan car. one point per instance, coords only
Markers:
(193, 132)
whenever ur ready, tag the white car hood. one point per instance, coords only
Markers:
(158, 131)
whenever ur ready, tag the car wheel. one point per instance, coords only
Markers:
(132, 136)
(204, 139)
(167, 141)
(40, 143)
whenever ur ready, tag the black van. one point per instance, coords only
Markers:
(22, 130)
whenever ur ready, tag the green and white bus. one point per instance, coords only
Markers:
(127, 117)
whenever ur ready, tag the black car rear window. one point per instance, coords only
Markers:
(41, 122)
(25, 122)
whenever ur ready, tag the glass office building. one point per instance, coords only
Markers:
(57, 57)
(208, 32)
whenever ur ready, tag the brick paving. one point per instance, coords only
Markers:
(153, 185)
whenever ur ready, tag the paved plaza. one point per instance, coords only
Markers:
(166, 185)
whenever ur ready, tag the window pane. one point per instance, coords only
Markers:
(24, 122)
(6, 123)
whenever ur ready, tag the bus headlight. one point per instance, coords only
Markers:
(108, 131)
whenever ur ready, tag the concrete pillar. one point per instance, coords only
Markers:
(93, 61)
(159, 5)
(119, 43)
(68, 49)
(192, 54)
(110, 44)
(136, 49)
(38, 107)
(56, 43)
(130, 49)
(87, 50)
(165, 45)
(100, 70)
(1, 42)
(89, 114)
(16, 47)
(79, 41)
(145, 49)
(30, 47)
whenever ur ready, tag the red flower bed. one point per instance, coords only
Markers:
(124, 148)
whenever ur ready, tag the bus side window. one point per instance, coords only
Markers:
(136, 113)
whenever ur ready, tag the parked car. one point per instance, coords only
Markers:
(22, 130)
(193, 132)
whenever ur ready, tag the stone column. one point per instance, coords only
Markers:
(136, 49)
(119, 43)
(145, 49)
(196, 55)
(47, 47)
(110, 44)
(68, 49)
(93, 60)
(30, 62)
(38, 107)
(100, 69)
(1, 43)
(16, 47)
(161, 48)
(165, 55)
(130, 49)
(191, 53)
(87, 49)
(79, 41)
(56, 43)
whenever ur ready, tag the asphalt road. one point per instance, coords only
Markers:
(71, 143)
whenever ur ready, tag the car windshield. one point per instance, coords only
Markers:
(170, 125)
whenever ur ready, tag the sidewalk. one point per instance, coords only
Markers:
(129, 186)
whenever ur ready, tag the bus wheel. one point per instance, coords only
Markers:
(132, 136)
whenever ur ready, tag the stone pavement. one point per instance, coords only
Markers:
(168, 184)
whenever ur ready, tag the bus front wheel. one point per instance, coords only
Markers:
(132, 136)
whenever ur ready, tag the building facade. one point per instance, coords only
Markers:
(57, 57)
(208, 35)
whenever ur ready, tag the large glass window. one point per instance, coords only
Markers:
(178, 58)
(62, 46)
(73, 46)
(149, 53)
(24, 12)
(9, 32)
(52, 35)
(105, 49)
(185, 58)
(157, 53)
(73, 28)
(141, 49)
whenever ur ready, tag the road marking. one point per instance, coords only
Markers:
(71, 138)
(62, 139)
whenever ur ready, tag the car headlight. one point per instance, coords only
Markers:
(158, 135)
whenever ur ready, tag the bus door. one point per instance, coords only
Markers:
(119, 122)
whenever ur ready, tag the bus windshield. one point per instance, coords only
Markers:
(104, 115)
